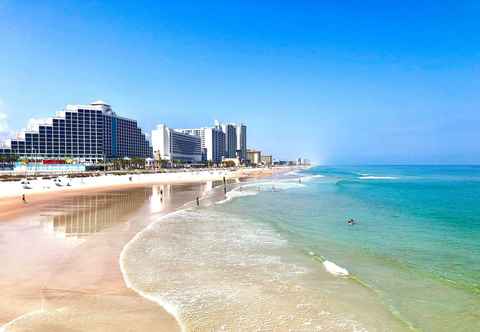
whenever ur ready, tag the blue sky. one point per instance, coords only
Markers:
(339, 82)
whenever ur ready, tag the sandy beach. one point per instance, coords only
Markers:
(60, 250)
(43, 190)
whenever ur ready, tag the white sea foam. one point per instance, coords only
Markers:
(275, 185)
(371, 177)
(335, 269)
(237, 193)
(4, 328)
(293, 173)
(307, 178)
(252, 189)
(169, 307)
(302, 176)
(213, 270)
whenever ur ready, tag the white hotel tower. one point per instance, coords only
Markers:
(169, 144)
(213, 142)
(222, 140)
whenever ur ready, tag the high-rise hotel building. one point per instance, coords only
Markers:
(212, 140)
(90, 133)
(221, 141)
(169, 144)
(230, 132)
(242, 141)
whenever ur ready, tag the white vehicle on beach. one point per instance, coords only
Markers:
(26, 184)
(60, 182)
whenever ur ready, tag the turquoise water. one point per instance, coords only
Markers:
(416, 244)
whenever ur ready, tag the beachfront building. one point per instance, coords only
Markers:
(241, 141)
(267, 160)
(171, 145)
(254, 157)
(212, 142)
(222, 141)
(88, 133)
(230, 131)
(303, 161)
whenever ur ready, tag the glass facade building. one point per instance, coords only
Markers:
(212, 140)
(87, 132)
(230, 132)
(221, 141)
(169, 144)
(242, 141)
(185, 145)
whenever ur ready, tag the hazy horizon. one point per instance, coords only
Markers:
(338, 83)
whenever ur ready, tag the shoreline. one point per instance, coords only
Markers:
(10, 207)
(171, 311)
(11, 204)
(178, 294)
(217, 199)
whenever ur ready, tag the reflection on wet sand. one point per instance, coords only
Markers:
(81, 216)
(60, 264)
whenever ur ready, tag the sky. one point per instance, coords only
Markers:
(339, 82)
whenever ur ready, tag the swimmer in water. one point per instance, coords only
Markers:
(351, 222)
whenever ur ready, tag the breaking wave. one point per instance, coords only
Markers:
(371, 177)
(214, 270)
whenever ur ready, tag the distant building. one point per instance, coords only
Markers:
(254, 157)
(303, 162)
(267, 160)
(242, 141)
(230, 131)
(221, 141)
(89, 133)
(171, 145)
(212, 142)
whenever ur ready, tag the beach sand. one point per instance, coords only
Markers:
(44, 190)
(60, 254)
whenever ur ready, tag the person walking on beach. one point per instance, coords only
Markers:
(24, 200)
(198, 201)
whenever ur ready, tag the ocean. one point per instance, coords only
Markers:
(278, 254)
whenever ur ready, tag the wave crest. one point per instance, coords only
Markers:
(371, 177)
(335, 270)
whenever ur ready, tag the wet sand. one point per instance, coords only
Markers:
(60, 261)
